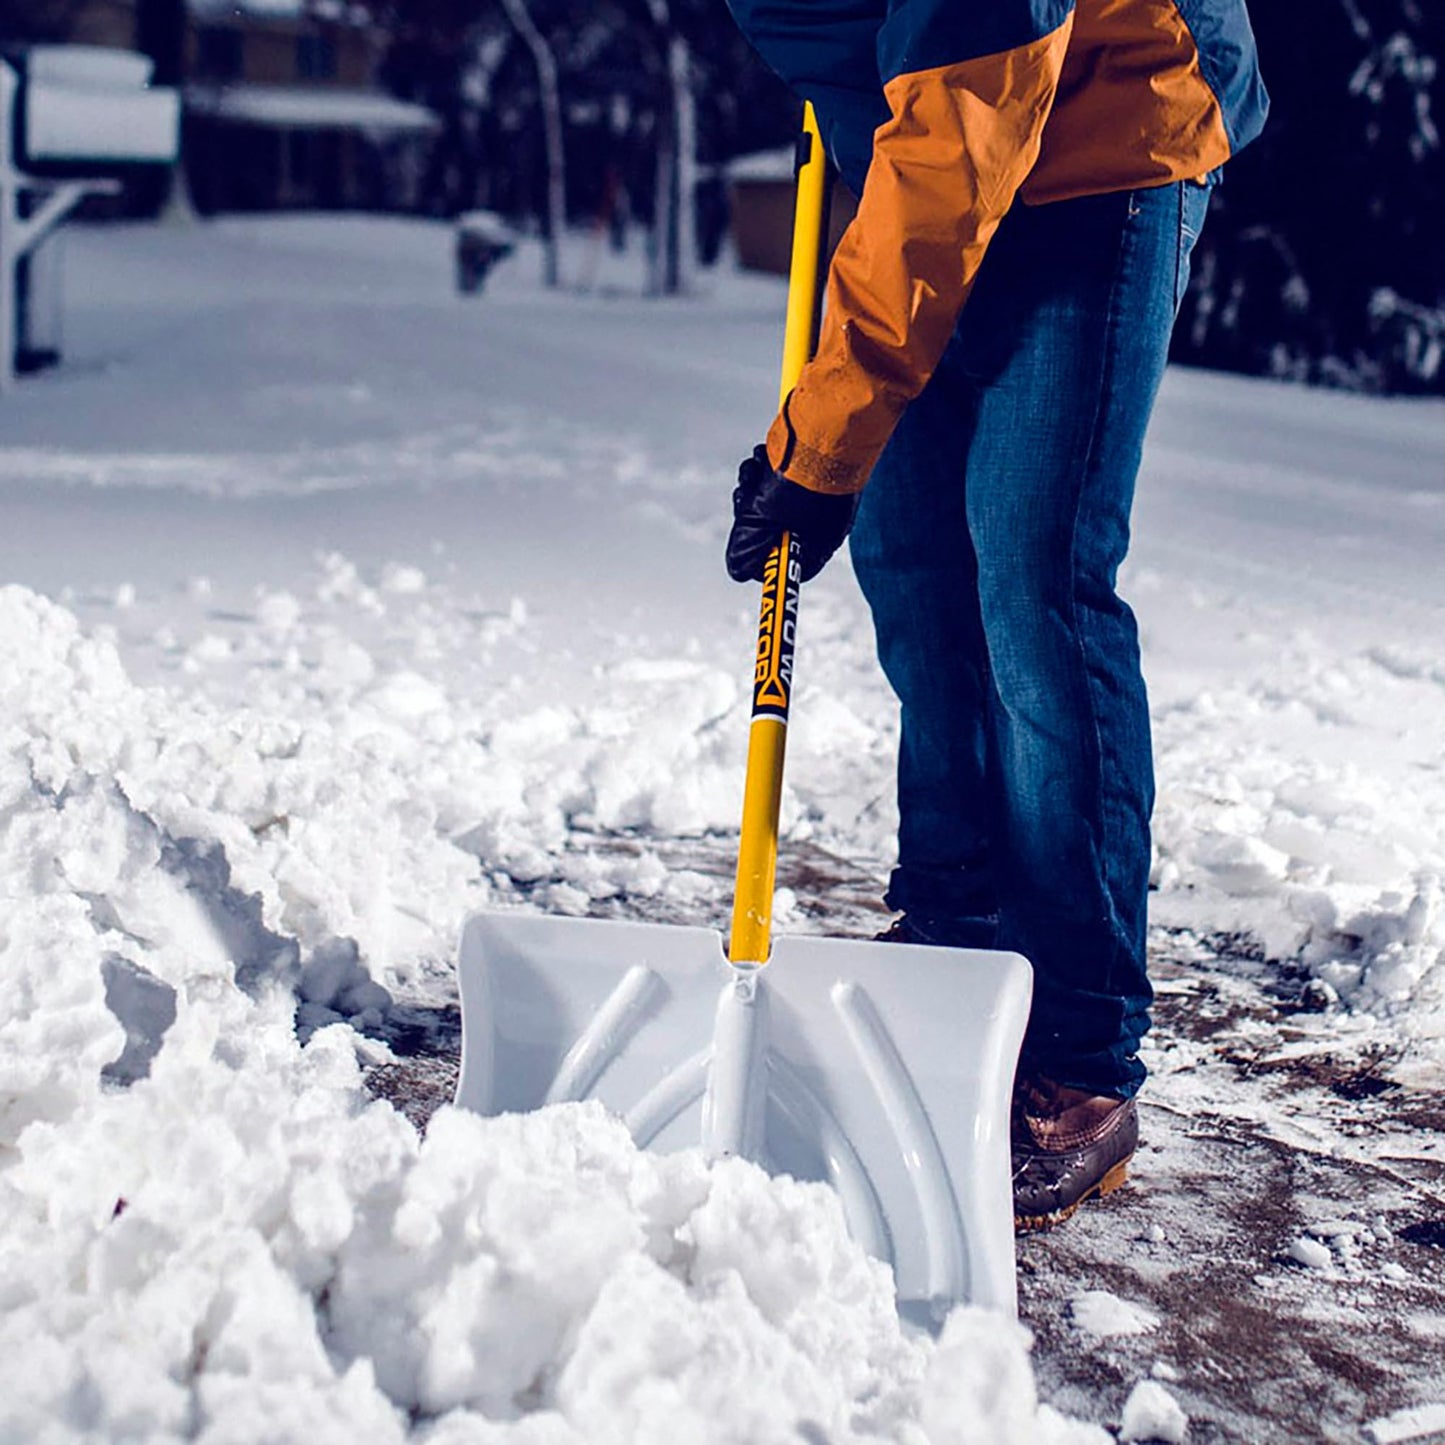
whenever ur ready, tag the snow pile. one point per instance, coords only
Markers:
(212, 1233)
(1152, 1413)
(521, 631)
(1415, 1422)
(1309, 1252)
(240, 1248)
(186, 832)
(339, 826)
(1102, 1315)
(1305, 808)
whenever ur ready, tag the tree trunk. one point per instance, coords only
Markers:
(662, 244)
(551, 96)
(674, 229)
(160, 32)
(684, 187)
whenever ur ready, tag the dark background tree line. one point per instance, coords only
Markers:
(1324, 256)
(655, 96)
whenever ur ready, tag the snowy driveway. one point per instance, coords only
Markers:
(416, 603)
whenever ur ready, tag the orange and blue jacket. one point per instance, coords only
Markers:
(970, 103)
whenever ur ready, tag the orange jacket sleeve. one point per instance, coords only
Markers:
(945, 169)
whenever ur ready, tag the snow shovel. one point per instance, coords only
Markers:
(884, 1069)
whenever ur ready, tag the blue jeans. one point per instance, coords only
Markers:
(987, 543)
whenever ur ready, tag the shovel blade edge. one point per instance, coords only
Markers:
(882, 1069)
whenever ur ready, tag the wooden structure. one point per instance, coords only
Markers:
(761, 193)
(281, 108)
(281, 113)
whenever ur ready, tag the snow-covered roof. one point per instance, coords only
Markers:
(344, 12)
(88, 67)
(296, 107)
(240, 9)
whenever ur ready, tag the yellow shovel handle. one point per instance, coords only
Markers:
(751, 936)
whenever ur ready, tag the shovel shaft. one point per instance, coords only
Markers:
(751, 938)
(805, 273)
(767, 740)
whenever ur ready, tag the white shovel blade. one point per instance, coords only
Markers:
(884, 1069)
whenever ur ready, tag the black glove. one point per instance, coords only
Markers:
(766, 504)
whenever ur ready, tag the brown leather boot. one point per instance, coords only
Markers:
(1068, 1146)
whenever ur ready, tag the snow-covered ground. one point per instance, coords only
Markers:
(343, 605)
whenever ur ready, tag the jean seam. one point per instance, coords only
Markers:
(1111, 329)
(1179, 252)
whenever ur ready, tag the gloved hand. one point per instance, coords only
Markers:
(766, 504)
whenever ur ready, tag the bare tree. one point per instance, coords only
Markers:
(551, 97)
(674, 242)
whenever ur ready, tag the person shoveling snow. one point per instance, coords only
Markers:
(999, 443)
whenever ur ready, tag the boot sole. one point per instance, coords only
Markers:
(1113, 1179)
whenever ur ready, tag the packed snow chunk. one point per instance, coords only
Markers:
(54, 1394)
(407, 695)
(260, 1324)
(664, 1358)
(788, 1244)
(157, 1285)
(565, 899)
(278, 611)
(785, 908)
(1103, 1315)
(1152, 1413)
(1389, 955)
(463, 1283)
(1242, 866)
(1309, 1252)
(641, 877)
(82, 888)
(656, 1362)
(402, 580)
(334, 979)
(1415, 1422)
(540, 1265)
(239, 1410)
(1336, 1228)
(198, 833)
(342, 664)
(466, 1427)
(979, 1389)
(342, 583)
(665, 762)
(210, 648)
(46, 660)
(56, 1031)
